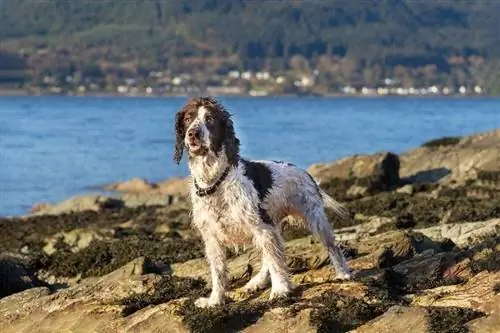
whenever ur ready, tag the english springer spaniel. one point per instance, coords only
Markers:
(237, 201)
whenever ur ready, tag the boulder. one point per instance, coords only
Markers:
(453, 161)
(402, 244)
(91, 306)
(173, 186)
(357, 176)
(78, 204)
(13, 276)
(133, 185)
(381, 167)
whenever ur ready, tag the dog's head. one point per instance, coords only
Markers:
(203, 126)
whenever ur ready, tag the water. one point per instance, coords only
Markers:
(52, 148)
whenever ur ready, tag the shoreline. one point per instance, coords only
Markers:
(24, 93)
(173, 188)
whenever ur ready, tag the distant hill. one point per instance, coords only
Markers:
(378, 35)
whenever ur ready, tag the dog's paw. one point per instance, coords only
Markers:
(253, 286)
(281, 291)
(207, 302)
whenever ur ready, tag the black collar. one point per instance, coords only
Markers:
(201, 192)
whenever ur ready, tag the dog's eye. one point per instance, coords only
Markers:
(187, 119)
(209, 119)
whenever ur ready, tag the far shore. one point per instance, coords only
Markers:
(24, 93)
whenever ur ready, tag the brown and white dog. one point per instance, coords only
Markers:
(237, 201)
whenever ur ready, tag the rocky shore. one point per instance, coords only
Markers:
(424, 242)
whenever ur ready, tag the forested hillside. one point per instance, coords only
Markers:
(420, 41)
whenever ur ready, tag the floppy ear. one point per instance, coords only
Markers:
(231, 142)
(180, 132)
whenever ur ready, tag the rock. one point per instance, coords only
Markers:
(369, 226)
(133, 200)
(174, 186)
(377, 171)
(98, 203)
(359, 166)
(80, 204)
(162, 318)
(40, 207)
(135, 298)
(397, 319)
(356, 191)
(135, 268)
(462, 233)
(133, 185)
(280, 320)
(407, 189)
(13, 276)
(403, 244)
(457, 161)
(423, 271)
(477, 294)
(91, 306)
(75, 240)
(417, 319)
(491, 322)
(460, 270)
(177, 187)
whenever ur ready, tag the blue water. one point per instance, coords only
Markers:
(55, 147)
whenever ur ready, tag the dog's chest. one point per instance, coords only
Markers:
(225, 215)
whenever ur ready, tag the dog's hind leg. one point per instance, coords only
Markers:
(318, 224)
(260, 280)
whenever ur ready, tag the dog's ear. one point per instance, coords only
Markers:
(229, 139)
(231, 142)
(180, 132)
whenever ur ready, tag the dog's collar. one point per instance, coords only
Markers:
(201, 192)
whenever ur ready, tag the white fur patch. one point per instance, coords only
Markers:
(200, 122)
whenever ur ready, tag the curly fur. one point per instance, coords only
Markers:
(247, 208)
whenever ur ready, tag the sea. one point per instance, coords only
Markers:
(54, 147)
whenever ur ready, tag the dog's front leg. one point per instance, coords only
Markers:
(216, 256)
(269, 241)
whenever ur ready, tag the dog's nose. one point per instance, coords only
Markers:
(194, 133)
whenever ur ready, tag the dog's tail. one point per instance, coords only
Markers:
(336, 206)
(330, 202)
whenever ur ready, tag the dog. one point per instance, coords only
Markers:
(237, 201)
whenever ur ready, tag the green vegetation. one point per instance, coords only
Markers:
(416, 42)
(442, 142)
